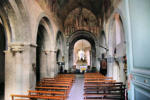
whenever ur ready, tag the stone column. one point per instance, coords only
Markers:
(110, 63)
(97, 60)
(47, 63)
(67, 58)
(122, 73)
(43, 64)
(30, 69)
(53, 64)
(13, 70)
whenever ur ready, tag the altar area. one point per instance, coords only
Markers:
(81, 65)
(81, 56)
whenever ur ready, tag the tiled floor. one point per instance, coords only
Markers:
(77, 92)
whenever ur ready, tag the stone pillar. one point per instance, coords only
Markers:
(53, 64)
(110, 63)
(43, 65)
(30, 69)
(122, 73)
(97, 58)
(13, 70)
(20, 69)
(67, 58)
(47, 63)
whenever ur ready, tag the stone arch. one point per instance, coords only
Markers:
(6, 20)
(80, 45)
(6, 37)
(74, 21)
(117, 45)
(112, 28)
(43, 18)
(123, 51)
(111, 37)
(43, 41)
(18, 20)
(58, 55)
(82, 35)
(60, 47)
(60, 42)
(102, 41)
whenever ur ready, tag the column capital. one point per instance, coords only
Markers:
(53, 51)
(46, 51)
(16, 47)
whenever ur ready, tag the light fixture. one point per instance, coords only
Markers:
(81, 53)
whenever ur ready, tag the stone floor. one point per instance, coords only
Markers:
(77, 92)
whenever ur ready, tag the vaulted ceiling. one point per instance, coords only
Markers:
(62, 8)
(66, 6)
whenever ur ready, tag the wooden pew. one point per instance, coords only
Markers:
(66, 90)
(33, 94)
(47, 93)
(56, 88)
(36, 97)
(97, 86)
(60, 79)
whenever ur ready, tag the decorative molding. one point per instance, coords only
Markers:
(33, 45)
(46, 51)
(30, 44)
(142, 86)
(17, 47)
(53, 51)
(141, 71)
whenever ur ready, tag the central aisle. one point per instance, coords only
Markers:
(77, 92)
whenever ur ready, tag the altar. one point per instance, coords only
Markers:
(81, 65)
(83, 68)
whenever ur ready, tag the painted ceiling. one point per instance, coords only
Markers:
(64, 8)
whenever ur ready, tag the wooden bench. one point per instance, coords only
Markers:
(104, 88)
(33, 94)
(47, 93)
(55, 82)
(66, 90)
(36, 97)
(97, 78)
(56, 88)
(97, 86)
(59, 79)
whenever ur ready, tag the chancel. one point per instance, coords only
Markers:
(82, 49)
(74, 50)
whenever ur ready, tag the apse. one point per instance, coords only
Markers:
(82, 54)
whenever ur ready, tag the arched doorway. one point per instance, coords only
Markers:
(59, 61)
(43, 47)
(2, 58)
(120, 49)
(82, 55)
(117, 49)
(40, 44)
(79, 35)
(60, 47)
